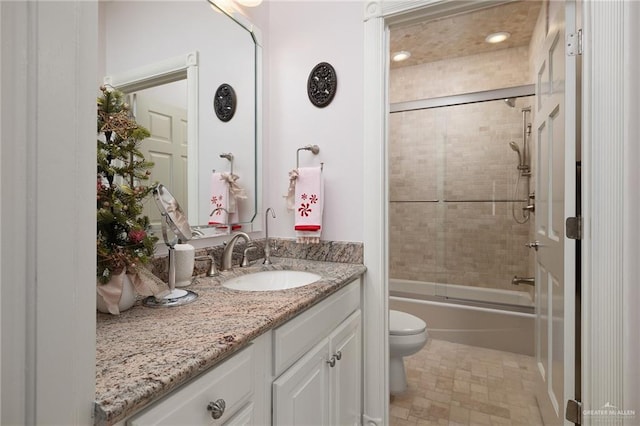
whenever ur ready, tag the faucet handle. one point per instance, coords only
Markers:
(213, 271)
(245, 259)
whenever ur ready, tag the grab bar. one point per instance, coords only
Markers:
(516, 280)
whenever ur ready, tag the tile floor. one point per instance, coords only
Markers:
(455, 384)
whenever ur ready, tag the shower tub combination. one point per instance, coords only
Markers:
(497, 319)
(454, 179)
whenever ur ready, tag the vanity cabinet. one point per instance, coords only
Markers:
(231, 393)
(323, 387)
(306, 371)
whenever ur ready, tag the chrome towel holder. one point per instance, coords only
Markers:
(315, 149)
(228, 156)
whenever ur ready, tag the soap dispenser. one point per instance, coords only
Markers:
(185, 258)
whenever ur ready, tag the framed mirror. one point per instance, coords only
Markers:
(169, 66)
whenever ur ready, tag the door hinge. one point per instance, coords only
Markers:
(574, 411)
(574, 228)
(574, 43)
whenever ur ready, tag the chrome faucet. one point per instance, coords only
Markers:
(267, 243)
(228, 250)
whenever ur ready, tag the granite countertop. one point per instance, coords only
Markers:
(145, 353)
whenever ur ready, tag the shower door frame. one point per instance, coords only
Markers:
(457, 100)
(465, 98)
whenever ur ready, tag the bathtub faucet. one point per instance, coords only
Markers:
(516, 280)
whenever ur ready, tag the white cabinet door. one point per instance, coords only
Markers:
(345, 389)
(301, 394)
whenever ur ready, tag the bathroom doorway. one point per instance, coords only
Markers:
(462, 209)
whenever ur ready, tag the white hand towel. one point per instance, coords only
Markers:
(309, 204)
(221, 199)
(235, 191)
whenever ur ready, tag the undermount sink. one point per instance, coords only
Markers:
(271, 280)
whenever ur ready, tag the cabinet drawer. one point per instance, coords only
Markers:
(296, 337)
(243, 418)
(231, 381)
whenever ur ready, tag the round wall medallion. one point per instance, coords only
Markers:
(322, 84)
(224, 103)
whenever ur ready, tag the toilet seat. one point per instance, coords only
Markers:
(404, 324)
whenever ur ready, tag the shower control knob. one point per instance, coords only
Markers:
(533, 245)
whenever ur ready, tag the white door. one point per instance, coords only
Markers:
(555, 201)
(166, 148)
(301, 394)
(346, 373)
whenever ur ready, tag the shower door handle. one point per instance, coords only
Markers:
(534, 245)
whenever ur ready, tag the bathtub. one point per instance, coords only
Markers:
(497, 319)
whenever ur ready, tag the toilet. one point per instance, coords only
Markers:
(407, 335)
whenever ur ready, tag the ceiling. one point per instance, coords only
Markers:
(464, 34)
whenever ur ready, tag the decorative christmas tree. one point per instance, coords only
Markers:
(122, 241)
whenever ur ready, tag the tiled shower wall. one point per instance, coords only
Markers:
(459, 156)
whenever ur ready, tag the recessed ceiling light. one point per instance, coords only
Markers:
(401, 56)
(497, 37)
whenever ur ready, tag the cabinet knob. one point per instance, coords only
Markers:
(216, 408)
(338, 355)
(332, 361)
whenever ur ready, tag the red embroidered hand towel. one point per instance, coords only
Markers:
(309, 203)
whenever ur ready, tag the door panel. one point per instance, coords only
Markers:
(555, 195)
(166, 148)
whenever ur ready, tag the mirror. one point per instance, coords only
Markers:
(182, 64)
(173, 214)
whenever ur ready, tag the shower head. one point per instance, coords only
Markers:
(511, 102)
(514, 146)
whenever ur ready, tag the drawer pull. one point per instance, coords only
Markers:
(338, 355)
(216, 408)
(332, 361)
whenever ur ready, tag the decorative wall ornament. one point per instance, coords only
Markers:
(224, 102)
(322, 84)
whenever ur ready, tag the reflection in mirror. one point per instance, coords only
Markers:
(164, 109)
(146, 58)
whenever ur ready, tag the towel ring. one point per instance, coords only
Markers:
(228, 156)
(315, 149)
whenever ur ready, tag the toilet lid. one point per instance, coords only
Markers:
(404, 324)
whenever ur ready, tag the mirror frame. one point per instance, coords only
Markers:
(164, 72)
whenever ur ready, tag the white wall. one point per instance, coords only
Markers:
(299, 35)
(48, 171)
